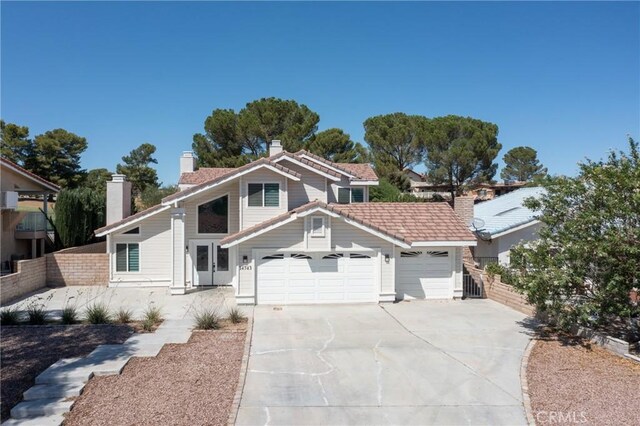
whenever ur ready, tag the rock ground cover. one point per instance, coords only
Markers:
(573, 380)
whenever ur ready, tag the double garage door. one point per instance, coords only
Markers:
(424, 274)
(341, 277)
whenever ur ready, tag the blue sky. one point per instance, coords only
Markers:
(563, 78)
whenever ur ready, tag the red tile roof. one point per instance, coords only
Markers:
(33, 176)
(204, 174)
(407, 222)
(360, 171)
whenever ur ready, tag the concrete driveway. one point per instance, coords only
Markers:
(422, 362)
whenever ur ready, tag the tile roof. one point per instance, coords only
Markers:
(204, 174)
(507, 211)
(262, 161)
(26, 172)
(307, 162)
(150, 211)
(360, 171)
(407, 222)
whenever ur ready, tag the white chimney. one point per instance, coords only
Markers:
(275, 148)
(187, 162)
(118, 198)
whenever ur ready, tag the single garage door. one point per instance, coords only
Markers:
(426, 274)
(289, 278)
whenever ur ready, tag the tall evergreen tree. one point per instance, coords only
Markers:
(55, 156)
(136, 166)
(522, 164)
(15, 142)
(336, 145)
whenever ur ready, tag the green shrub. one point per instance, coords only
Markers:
(10, 316)
(69, 315)
(147, 325)
(493, 269)
(37, 314)
(124, 316)
(236, 316)
(153, 315)
(207, 319)
(98, 313)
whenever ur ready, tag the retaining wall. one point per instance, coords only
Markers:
(31, 276)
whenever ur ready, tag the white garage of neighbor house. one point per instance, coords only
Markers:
(286, 229)
(506, 222)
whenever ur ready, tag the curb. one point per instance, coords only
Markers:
(235, 407)
(526, 401)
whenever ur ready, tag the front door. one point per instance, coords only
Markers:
(210, 263)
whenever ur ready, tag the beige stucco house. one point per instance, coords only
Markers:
(288, 228)
(23, 231)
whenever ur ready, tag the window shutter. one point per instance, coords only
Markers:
(271, 195)
(121, 257)
(344, 195)
(255, 195)
(134, 258)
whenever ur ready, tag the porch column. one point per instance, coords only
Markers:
(178, 284)
(34, 248)
(42, 246)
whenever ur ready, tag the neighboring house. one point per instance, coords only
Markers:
(489, 191)
(23, 232)
(505, 222)
(290, 228)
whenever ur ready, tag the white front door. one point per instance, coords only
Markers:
(210, 263)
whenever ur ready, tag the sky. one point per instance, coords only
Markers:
(563, 78)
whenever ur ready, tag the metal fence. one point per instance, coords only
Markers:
(34, 221)
(471, 288)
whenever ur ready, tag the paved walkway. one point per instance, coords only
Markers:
(423, 362)
(46, 402)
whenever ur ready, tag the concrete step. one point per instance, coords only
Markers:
(52, 420)
(41, 408)
(67, 375)
(50, 391)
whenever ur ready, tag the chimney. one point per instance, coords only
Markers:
(118, 198)
(275, 148)
(463, 206)
(187, 162)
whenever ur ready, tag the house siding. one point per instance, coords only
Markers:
(155, 254)
(311, 186)
(191, 210)
(332, 189)
(254, 215)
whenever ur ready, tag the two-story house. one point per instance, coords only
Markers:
(288, 228)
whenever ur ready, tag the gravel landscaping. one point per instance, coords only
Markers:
(26, 351)
(185, 384)
(572, 381)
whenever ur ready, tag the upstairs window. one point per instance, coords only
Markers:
(213, 217)
(264, 194)
(317, 226)
(350, 195)
(128, 257)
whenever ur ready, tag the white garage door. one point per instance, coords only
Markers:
(288, 278)
(424, 274)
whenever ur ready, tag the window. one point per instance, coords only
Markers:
(317, 227)
(300, 256)
(357, 195)
(344, 195)
(410, 253)
(438, 253)
(333, 256)
(133, 231)
(359, 256)
(213, 217)
(222, 261)
(274, 256)
(264, 194)
(202, 258)
(350, 195)
(127, 257)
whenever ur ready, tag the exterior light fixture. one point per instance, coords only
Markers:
(245, 259)
(386, 258)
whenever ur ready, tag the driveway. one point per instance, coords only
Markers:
(421, 362)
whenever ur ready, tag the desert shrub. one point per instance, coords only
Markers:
(236, 316)
(207, 319)
(37, 314)
(153, 315)
(98, 313)
(124, 316)
(9, 316)
(147, 325)
(69, 315)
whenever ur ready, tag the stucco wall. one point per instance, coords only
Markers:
(31, 276)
